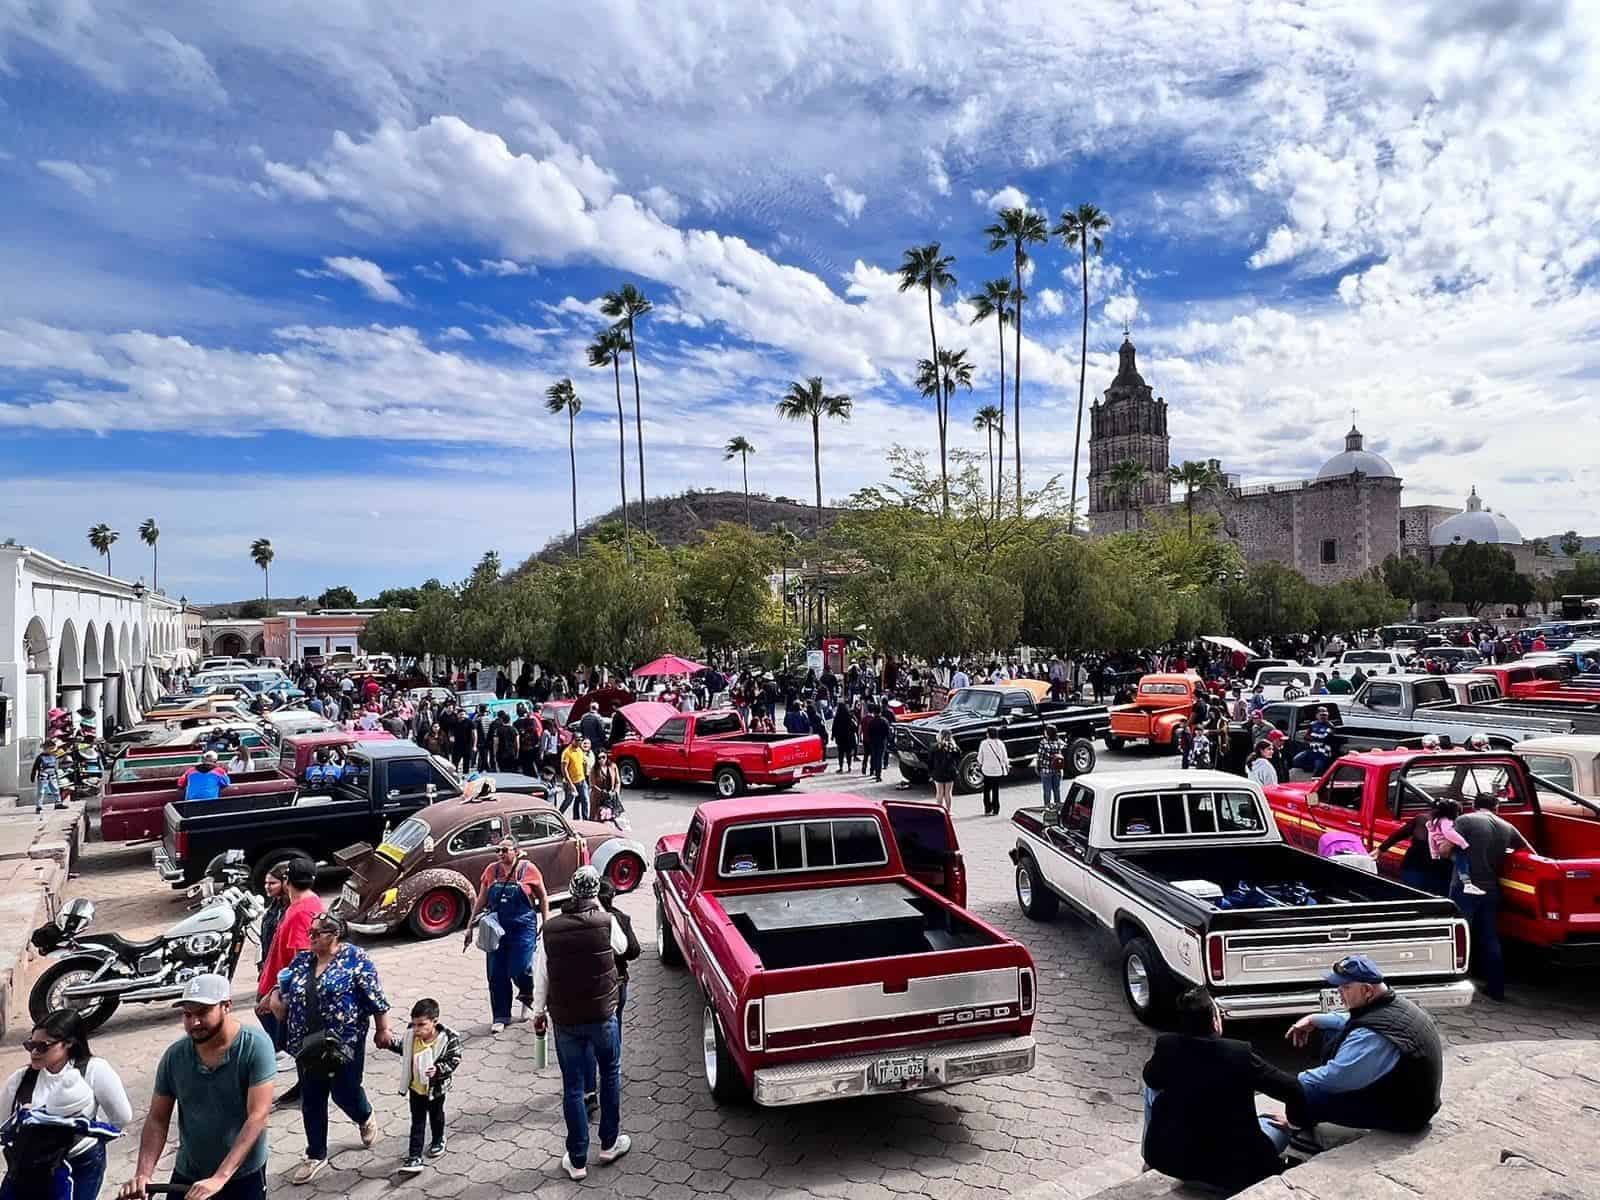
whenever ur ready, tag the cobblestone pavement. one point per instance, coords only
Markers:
(1070, 1126)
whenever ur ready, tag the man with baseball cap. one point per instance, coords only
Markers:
(575, 976)
(1383, 1063)
(219, 1078)
(206, 780)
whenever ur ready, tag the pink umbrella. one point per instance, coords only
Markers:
(670, 664)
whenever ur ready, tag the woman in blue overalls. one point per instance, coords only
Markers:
(513, 890)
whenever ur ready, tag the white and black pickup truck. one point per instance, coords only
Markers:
(1188, 872)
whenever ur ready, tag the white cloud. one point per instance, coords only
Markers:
(1006, 197)
(663, 203)
(80, 177)
(368, 274)
(455, 334)
(1051, 302)
(524, 337)
(433, 271)
(938, 177)
(504, 267)
(847, 200)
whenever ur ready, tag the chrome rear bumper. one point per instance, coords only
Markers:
(1457, 994)
(947, 1063)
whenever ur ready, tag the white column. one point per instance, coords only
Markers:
(13, 685)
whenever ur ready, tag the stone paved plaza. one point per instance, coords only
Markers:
(1068, 1129)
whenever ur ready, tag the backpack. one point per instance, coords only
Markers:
(34, 1153)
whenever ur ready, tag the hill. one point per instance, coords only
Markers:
(674, 520)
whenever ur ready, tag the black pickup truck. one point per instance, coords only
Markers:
(973, 711)
(1294, 717)
(384, 783)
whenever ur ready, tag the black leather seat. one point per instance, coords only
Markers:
(122, 946)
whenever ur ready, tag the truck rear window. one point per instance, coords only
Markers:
(1163, 689)
(773, 848)
(1463, 783)
(715, 725)
(1184, 814)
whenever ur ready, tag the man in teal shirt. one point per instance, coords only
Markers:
(219, 1078)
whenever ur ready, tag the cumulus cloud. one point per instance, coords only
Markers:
(663, 203)
(1006, 197)
(938, 177)
(1051, 302)
(847, 200)
(368, 274)
(82, 178)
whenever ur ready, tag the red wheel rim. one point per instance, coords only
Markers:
(438, 911)
(624, 873)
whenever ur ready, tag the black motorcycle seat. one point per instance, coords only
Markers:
(121, 946)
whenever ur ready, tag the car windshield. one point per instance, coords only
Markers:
(1271, 678)
(411, 834)
(970, 702)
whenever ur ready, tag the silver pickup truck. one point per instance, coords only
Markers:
(1188, 872)
(1417, 704)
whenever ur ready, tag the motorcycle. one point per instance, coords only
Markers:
(95, 973)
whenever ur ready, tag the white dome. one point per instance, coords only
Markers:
(1477, 524)
(1354, 458)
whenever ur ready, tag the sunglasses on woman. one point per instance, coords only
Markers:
(38, 1047)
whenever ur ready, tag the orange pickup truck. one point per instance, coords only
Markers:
(1162, 706)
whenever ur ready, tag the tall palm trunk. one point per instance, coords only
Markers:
(108, 563)
(266, 585)
(999, 480)
(638, 428)
(816, 463)
(1016, 383)
(989, 433)
(572, 456)
(938, 405)
(1127, 507)
(622, 454)
(744, 471)
(1083, 362)
(155, 568)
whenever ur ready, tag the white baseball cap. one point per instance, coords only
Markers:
(205, 989)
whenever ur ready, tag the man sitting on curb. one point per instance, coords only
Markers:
(1383, 1061)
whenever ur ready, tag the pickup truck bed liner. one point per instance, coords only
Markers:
(1265, 865)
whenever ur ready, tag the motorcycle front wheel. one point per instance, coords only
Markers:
(49, 992)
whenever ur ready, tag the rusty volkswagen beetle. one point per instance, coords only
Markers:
(425, 873)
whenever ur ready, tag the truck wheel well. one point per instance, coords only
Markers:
(1128, 928)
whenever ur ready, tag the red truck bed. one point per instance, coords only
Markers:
(132, 811)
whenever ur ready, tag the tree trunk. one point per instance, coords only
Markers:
(1083, 363)
(816, 462)
(572, 455)
(1188, 506)
(988, 429)
(938, 408)
(155, 568)
(638, 428)
(622, 455)
(108, 564)
(1000, 477)
(744, 469)
(1126, 508)
(1016, 382)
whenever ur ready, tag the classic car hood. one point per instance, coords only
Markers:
(948, 720)
(647, 716)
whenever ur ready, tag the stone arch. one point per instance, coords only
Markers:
(125, 647)
(92, 668)
(36, 646)
(69, 657)
(228, 643)
(109, 661)
(258, 645)
(138, 646)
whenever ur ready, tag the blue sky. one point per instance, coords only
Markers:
(304, 270)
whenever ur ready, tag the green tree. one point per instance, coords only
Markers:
(607, 350)
(1196, 478)
(150, 534)
(628, 303)
(1480, 574)
(927, 268)
(723, 585)
(389, 632)
(953, 371)
(562, 397)
(1571, 543)
(252, 610)
(1127, 478)
(809, 402)
(1410, 578)
(786, 542)
(1274, 599)
(262, 554)
(997, 300)
(1018, 229)
(1082, 227)
(990, 418)
(102, 537)
(405, 597)
(338, 597)
(1582, 578)
(741, 446)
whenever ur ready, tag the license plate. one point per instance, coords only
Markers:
(899, 1072)
(349, 898)
(1332, 1002)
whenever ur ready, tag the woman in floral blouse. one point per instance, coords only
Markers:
(348, 995)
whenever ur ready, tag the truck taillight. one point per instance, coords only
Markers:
(180, 845)
(1025, 990)
(1461, 945)
(956, 878)
(1548, 894)
(753, 1039)
(1216, 960)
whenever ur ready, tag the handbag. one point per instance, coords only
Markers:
(321, 1054)
(489, 932)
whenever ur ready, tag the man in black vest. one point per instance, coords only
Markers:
(1200, 1093)
(1383, 1063)
(575, 979)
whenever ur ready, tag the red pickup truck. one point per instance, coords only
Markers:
(710, 747)
(828, 968)
(1549, 899)
(133, 811)
(1537, 681)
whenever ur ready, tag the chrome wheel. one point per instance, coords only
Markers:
(58, 992)
(1138, 978)
(708, 1045)
(1083, 759)
(1024, 887)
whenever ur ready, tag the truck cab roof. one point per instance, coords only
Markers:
(787, 807)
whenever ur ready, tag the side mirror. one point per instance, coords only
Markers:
(668, 860)
(394, 793)
(1313, 799)
(432, 790)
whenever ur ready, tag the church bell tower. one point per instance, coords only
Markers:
(1129, 423)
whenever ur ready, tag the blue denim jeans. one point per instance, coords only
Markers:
(576, 796)
(575, 1044)
(510, 962)
(344, 1089)
(1483, 916)
(1051, 782)
(88, 1172)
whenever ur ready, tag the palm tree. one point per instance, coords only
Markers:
(997, 300)
(1127, 478)
(607, 350)
(989, 418)
(954, 371)
(262, 554)
(788, 542)
(102, 537)
(741, 446)
(629, 302)
(808, 402)
(1018, 228)
(150, 534)
(562, 397)
(1196, 478)
(1082, 228)
(926, 268)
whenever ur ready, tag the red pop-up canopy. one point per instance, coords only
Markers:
(670, 664)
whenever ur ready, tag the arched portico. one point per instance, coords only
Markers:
(69, 669)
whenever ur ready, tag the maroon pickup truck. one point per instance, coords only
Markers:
(827, 966)
(710, 747)
(133, 811)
